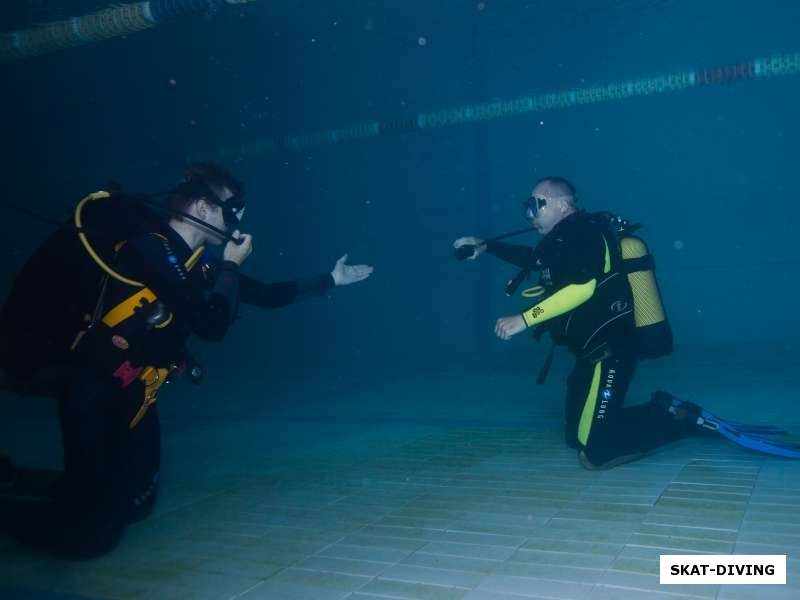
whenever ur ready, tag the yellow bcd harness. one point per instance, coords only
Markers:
(152, 377)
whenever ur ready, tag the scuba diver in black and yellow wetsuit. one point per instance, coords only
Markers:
(154, 290)
(589, 281)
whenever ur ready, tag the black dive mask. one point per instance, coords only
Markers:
(532, 205)
(231, 214)
(232, 208)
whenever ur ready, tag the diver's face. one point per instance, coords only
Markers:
(214, 215)
(551, 207)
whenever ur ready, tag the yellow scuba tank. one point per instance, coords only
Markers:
(653, 332)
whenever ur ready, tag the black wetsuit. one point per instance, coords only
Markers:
(589, 308)
(111, 433)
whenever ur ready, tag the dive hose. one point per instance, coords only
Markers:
(467, 250)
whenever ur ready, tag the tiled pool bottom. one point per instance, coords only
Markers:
(435, 513)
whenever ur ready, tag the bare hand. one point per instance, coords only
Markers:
(344, 274)
(506, 327)
(479, 246)
(238, 252)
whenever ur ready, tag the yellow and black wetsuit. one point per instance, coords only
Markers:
(588, 306)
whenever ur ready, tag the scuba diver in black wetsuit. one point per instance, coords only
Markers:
(157, 291)
(600, 299)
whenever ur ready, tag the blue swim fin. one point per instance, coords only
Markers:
(757, 429)
(746, 435)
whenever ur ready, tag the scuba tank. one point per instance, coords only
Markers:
(653, 332)
(59, 285)
(58, 294)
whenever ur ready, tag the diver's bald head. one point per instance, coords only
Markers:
(553, 199)
(556, 188)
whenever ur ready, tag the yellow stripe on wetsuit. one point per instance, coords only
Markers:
(587, 416)
(567, 298)
(564, 300)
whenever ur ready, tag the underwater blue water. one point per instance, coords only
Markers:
(709, 171)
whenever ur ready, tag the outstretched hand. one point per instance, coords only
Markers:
(477, 245)
(507, 327)
(344, 274)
